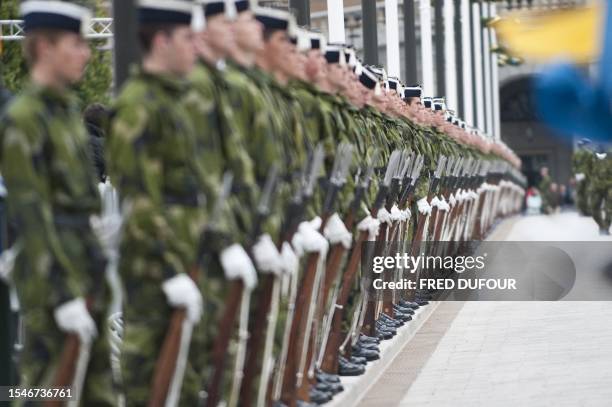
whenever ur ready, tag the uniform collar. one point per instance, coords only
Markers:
(62, 97)
(169, 82)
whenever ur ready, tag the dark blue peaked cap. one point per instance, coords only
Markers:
(242, 5)
(272, 18)
(165, 11)
(54, 14)
(412, 92)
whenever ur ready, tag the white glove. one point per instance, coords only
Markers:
(307, 240)
(580, 176)
(291, 262)
(384, 216)
(73, 316)
(370, 225)
(443, 205)
(435, 202)
(108, 231)
(423, 206)
(336, 232)
(236, 263)
(182, 292)
(267, 257)
(601, 156)
(396, 214)
(7, 261)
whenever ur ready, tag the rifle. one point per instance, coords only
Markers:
(293, 385)
(179, 332)
(238, 302)
(265, 315)
(75, 355)
(422, 218)
(295, 215)
(338, 250)
(334, 340)
(396, 184)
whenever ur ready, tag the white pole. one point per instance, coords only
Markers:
(450, 73)
(466, 43)
(335, 21)
(479, 96)
(426, 48)
(486, 54)
(495, 68)
(392, 32)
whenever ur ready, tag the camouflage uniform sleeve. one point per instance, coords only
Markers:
(24, 169)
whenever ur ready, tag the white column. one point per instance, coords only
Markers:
(392, 34)
(335, 20)
(486, 55)
(466, 43)
(450, 64)
(426, 48)
(479, 95)
(495, 81)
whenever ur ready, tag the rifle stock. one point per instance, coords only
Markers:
(66, 370)
(221, 345)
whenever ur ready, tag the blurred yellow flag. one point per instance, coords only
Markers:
(541, 36)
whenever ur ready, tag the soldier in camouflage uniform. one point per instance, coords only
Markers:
(152, 160)
(52, 192)
(582, 163)
(600, 191)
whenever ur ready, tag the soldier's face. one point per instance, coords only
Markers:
(220, 33)
(180, 51)
(248, 32)
(336, 75)
(66, 58)
(277, 49)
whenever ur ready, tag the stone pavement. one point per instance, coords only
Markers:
(508, 353)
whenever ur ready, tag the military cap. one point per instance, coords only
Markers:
(412, 92)
(379, 71)
(427, 102)
(165, 11)
(274, 19)
(56, 15)
(392, 83)
(215, 7)
(368, 79)
(317, 41)
(334, 54)
(351, 57)
(438, 104)
(242, 5)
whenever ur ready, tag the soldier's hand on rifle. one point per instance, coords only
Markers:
(181, 291)
(73, 317)
(267, 257)
(370, 225)
(307, 239)
(236, 264)
(336, 232)
(291, 262)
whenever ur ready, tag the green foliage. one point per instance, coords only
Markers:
(96, 85)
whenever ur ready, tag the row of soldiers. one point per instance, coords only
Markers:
(249, 163)
(592, 167)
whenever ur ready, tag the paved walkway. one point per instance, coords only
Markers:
(509, 353)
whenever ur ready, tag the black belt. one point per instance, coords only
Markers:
(76, 221)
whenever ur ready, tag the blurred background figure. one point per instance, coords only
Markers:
(533, 201)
